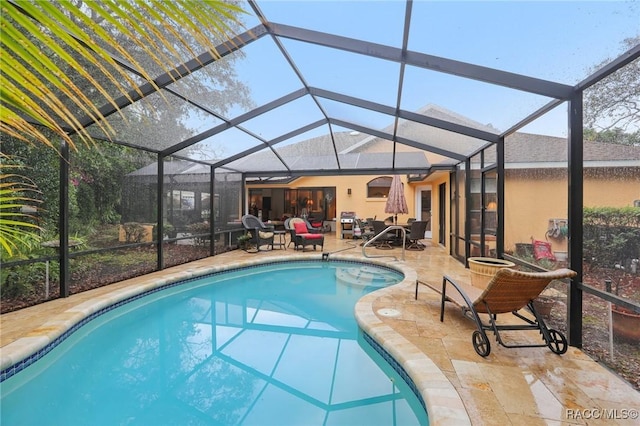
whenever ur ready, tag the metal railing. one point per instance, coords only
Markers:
(386, 230)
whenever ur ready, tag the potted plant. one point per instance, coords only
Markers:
(243, 241)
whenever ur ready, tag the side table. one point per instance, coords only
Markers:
(280, 239)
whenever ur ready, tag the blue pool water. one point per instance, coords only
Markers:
(269, 345)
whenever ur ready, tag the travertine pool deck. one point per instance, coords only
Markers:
(509, 387)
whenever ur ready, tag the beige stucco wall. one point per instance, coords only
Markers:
(371, 207)
(357, 201)
(533, 198)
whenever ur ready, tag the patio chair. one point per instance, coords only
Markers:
(416, 233)
(288, 226)
(384, 241)
(365, 232)
(260, 234)
(316, 221)
(302, 234)
(508, 291)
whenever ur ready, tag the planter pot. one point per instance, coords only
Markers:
(626, 324)
(544, 305)
(484, 268)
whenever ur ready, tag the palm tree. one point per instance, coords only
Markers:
(58, 58)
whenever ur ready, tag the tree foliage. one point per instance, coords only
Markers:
(614, 102)
(62, 68)
(615, 135)
(83, 40)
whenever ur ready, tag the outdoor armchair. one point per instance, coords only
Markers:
(316, 221)
(302, 235)
(416, 233)
(365, 232)
(508, 292)
(260, 234)
(385, 239)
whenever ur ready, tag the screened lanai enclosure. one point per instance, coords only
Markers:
(523, 111)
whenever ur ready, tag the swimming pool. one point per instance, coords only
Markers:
(274, 344)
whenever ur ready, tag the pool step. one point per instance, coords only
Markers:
(364, 277)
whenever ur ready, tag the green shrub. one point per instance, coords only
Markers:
(168, 230)
(611, 235)
(23, 280)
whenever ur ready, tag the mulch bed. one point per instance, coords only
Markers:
(101, 274)
(625, 359)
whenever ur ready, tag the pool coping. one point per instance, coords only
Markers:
(444, 404)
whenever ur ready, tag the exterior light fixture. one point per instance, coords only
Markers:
(348, 191)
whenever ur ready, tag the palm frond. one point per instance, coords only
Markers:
(37, 93)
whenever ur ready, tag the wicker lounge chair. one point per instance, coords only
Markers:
(261, 234)
(507, 292)
(302, 234)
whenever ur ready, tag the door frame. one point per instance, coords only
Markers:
(418, 208)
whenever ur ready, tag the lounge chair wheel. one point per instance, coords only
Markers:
(557, 342)
(481, 343)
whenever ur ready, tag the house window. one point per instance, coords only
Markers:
(183, 200)
(379, 187)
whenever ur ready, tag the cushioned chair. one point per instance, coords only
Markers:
(316, 221)
(302, 234)
(416, 233)
(508, 292)
(260, 233)
(288, 226)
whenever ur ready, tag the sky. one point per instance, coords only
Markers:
(557, 41)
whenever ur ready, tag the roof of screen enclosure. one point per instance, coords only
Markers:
(431, 83)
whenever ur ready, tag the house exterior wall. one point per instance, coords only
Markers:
(435, 181)
(534, 197)
(613, 187)
(358, 201)
(366, 207)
